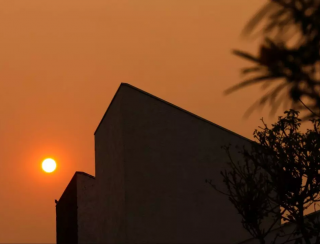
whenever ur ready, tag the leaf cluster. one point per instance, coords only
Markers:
(295, 68)
(277, 179)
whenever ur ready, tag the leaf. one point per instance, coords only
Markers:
(252, 69)
(257, 18)
(250, 82)
(246, 56)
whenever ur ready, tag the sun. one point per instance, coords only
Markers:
(49, 165)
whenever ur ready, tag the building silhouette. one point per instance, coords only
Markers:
(151, 162)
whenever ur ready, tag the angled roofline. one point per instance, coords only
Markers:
(170, 104)
(73, 177)
(84, 173)
(105, 114)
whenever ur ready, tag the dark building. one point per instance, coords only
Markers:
(72, 210)
(151, 162)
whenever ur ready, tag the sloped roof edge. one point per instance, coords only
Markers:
(170, 104)
(73, 177)
(84, 173)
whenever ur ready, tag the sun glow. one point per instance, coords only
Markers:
(49, 165)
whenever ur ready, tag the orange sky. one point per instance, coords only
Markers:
(62, 61)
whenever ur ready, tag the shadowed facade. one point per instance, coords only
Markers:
(74, 211)
(151, 162)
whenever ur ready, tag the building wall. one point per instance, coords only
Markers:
(168, 156)
(66, 215)
(109, 158)
(86, 208)
(152, 160)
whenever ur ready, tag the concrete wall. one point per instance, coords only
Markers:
(152, 160)
(109, 159)
(66, 215)
(86, 198)
(75, 211)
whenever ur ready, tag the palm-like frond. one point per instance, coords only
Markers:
(252, 81)
(246, 55)
(278, 60)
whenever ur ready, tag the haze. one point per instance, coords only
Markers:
(62, 61)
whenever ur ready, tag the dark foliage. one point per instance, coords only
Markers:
(289, 55)
(277, 179)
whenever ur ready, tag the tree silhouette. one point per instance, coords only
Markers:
(289, 55)
(278, 178)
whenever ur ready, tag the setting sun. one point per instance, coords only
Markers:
(49, 165)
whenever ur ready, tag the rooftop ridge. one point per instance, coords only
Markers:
(170, 104)
(84, 173)
(73, 177)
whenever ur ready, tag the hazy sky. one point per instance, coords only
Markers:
(61, 62)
